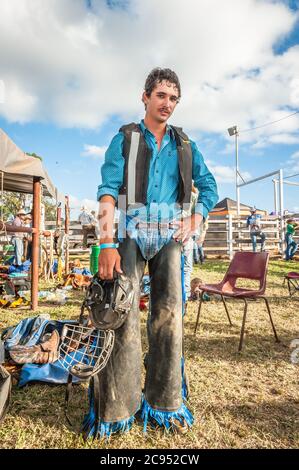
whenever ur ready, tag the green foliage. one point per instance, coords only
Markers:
(50, 208)
(11, 203)
(34, 155)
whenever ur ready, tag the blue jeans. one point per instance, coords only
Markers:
(291, 246)
(188, 266)
(19, 249)
(150, 239)
(198, 253)
(254, 235)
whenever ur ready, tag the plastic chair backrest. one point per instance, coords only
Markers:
(248, 266)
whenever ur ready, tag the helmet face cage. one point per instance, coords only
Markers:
(84, 351)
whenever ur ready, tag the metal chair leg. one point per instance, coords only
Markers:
(243, 326)
(198, 313)
(273, 327)
(225, 306)
(289, 287)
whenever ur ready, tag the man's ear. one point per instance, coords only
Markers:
(144, 98)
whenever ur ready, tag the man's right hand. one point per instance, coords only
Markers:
(109, 261)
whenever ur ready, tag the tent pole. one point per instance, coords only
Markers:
(35, 242)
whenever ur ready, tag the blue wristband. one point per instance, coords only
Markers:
(109, 245)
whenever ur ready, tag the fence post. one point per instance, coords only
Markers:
(230, 236)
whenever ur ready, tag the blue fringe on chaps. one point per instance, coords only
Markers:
(120, 387)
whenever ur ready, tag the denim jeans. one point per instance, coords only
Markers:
(188, 266)
(18, 248)
(150, 239)
(291, 246)
(254, 235)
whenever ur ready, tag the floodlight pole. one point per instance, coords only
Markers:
(237, 171)
(281, 207)
(275, 196)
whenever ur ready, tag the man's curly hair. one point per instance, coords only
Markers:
(158, 75)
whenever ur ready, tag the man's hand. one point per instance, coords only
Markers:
(109, 261)
(187, 227)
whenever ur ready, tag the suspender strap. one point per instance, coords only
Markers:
(135, 137)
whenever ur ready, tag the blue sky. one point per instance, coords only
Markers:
(72, 72)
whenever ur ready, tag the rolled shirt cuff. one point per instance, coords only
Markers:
(107, 192)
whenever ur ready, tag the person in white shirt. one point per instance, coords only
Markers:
(17, 237)
(86, 221)
(254, 222)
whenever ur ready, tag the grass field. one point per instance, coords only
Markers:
(246, 400)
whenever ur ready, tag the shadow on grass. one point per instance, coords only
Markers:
(256, 348)
(271, 421)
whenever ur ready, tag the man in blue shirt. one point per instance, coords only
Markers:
(148, 173)
(254, 224)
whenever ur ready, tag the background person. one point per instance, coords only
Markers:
(292, 246)
(254, 223)
(95, 224)
(28, 238)
(198, 252)
(86, 220)
(17, 237)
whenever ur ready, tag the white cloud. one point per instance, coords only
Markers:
(63, 63)
(225, 174)
(94, 151)
(295, 156)
(76, 204)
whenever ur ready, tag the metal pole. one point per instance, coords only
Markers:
(237, 172)
(275, 196)
(281, 209)
(230, 236)
(35, 242)
(66, 231)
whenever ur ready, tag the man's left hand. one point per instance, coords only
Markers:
(186, 227)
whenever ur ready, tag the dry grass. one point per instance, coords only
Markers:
(247, 400)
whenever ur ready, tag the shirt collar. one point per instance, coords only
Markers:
(144, 129)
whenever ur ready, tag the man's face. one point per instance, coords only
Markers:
(162, 101)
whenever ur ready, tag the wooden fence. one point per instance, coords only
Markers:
(225, 236)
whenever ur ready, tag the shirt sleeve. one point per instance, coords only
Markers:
(205, 182)
(113, 168)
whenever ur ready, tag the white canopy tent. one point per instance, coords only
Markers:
(18, 169)
(23, 173)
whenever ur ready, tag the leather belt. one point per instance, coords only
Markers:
(157, 225)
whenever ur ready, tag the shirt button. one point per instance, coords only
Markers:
(154, 200)
(157, 171)
(156, 185)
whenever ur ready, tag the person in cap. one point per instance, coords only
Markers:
(17, 237)
(254, 224)
(148, 173)
(86, 221)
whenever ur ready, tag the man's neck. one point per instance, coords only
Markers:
(156, 128)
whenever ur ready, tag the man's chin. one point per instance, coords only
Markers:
(162, 119)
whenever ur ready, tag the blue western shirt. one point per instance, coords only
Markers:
(163, 181)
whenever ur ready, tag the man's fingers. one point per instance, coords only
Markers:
(118, 267)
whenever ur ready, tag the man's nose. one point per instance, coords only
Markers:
(167, 102)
